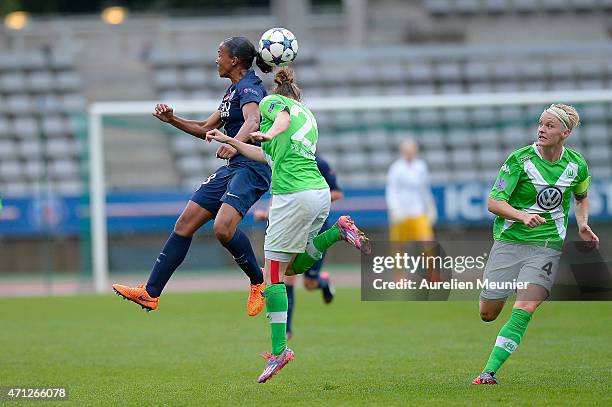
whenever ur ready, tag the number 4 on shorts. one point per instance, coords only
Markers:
(548, 268)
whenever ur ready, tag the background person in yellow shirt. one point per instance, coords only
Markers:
(410, 204)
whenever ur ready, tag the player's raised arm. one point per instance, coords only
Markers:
(281, 123)
(196, 128)
(248, 150)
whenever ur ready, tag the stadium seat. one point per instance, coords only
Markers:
(483, 115)
(10, 169)
(72, 102)
(63, 168)
(496, 6)
(29, 148)
(194, 77)
(67, 81)
(61, 147)
(490, 157)
(420, 73)
(380, 161)
(476, 71)
(505, 71)
(598, 155)
(60, 59)
(191, 164)
(19, 104)
(392, 74)
(25, 126)
(525, 6)
(54, 126)
(69, 187)
(166, 78)
(4, 126)
(463, 158)
(450, 88)
(12, 82)
(436, 159)
(555, 5)
(17, 188)
(438, 7)
(8, 149)
(467, 7)
(39, 82)
(597, 134)
(479, 87)
(562, 69)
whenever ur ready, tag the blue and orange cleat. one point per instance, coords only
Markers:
(137, 294)
(275, 364)
(485, 378)
(257, 299)
(351, 234)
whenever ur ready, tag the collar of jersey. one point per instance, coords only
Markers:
(535, 148)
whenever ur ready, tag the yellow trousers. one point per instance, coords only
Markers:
(411, 229)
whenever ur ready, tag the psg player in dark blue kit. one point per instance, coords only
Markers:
(228, 193)
(313, 278)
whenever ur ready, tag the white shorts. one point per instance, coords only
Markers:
(295, 219)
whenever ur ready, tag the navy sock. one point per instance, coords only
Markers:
(240, 247)
(169, 259)
(290, 299)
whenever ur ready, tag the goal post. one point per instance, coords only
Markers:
(97, 112)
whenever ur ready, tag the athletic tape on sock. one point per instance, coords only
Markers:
(274, 268)
(506, 344)
(278, 317)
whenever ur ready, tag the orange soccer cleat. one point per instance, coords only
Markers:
(137, 294)
(257, 299)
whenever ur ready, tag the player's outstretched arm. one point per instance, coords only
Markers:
(281, 123)
(581, 208)
(248, 150)
(196, 128)
(503, 209)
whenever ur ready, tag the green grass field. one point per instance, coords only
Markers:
(201, 349)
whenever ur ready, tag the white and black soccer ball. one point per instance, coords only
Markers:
(278, 47)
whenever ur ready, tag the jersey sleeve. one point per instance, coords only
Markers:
(271, 106)
(328, 173)
(249, 93)
(506, 181)
(583, 181)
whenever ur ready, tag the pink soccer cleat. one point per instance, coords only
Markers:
(351, 234)
(275, 364)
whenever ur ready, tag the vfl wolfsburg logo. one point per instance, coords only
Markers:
(549, 198)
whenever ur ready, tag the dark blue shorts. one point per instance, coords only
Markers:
(237, 184)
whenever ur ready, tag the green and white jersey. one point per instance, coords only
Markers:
(530, 183)
(291, 154)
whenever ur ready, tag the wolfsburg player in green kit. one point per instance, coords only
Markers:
(531, 198)
(300, 203)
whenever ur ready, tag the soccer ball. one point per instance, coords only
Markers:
(278, 47)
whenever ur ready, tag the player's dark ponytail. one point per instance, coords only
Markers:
(261, 64)
(244, 50)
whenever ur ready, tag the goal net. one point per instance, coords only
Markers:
(142, 171)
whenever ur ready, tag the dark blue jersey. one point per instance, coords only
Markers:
(328, 173)
(248, 89)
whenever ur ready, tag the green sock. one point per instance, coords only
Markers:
(508, 339)
(314, 251)
(277, 305)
